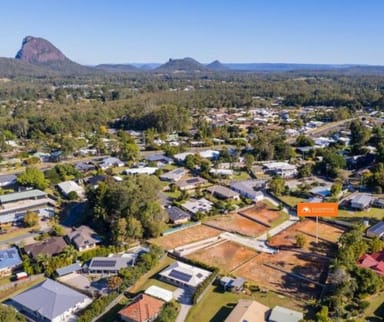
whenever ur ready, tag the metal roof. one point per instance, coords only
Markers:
(50, 299)
(68, 269)
(282, 314)
(9, 258)
(16, 196)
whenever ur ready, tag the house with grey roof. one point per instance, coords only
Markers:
(173, 175)
(182, 274)
(222, 192)
(9, 260)
(376, 230)
(250, 189)
(191, 183)
(361, 201)
(83, 238)
(7, 180)
(66, 187)
(50, 301)
(177, 216)
(198, 205)
(69, 269)
(112, 264)
(282, 314)
(14, 206)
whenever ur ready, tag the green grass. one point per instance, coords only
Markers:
(153, 281)
(375, 311)
(143, 280)
(292, 201)
(174, 195)
(112, 314)
(19, 288)
(216, 305)
(17, 233)
(370, 213)
(240, 175)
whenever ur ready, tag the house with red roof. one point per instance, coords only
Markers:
(373, 261)
(143, 308)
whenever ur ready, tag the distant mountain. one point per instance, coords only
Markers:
(282, 67)
(117, 68)
(10, 67)
(217, 65)
(187, 64)
(41, 52)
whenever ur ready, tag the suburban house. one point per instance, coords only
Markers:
(84, 166)
(361, 201)
(50, 301)
(232, 284)
(249, 189)
(282, 314)
(14, 206)
(143, 308)
(376, 230)
(208, 154)
(159, 159)
(142, 170)
(173, 175)
(221, 172)
(191, 183)
(66, 187)
(177, 216)
(110, 265)
(182, 274)
(9, 260)
(321, 191)
(83, 238)
(95, 180)
(373, 261)
(197, 205)
(222, 192)
(7, 180)
(52, 246)
(110, 163)
(248, 310)
(282, 169)
(378, 203)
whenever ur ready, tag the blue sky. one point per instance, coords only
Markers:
(118, 31)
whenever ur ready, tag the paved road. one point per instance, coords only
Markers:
(17, 239)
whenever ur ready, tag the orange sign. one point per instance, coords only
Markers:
(320, 209)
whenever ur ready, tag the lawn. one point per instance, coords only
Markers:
(143, 280)
(21, 287)
(283, 215)
(370, 213)
(16, 233)
(216, 305)
(375, 311)
(156, 282)
(291, 200)
(112, 314)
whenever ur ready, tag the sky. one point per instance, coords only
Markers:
(237, 31)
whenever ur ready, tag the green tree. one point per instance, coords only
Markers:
(114, 282)
(32, 177)
(9, 314)
(249, 159)
(376, 244)
(300, 240)
(277, 185)
(305, 170)
(336, 189)
(303, 140)
(31, 219)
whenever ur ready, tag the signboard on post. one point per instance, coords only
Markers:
(317, 209)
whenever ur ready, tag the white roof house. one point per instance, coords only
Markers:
(143, 170)
(180, 273)
(51, 301)
(282, 314)
(159, 293)
(68, 186)
(197, 205)
(282, 169)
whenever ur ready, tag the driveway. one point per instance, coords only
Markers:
(184, 297)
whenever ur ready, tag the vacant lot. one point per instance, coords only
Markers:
(186, 236)
(328, 235)
(236, 223)
(262, 213)
(225, 256)
(294, 271)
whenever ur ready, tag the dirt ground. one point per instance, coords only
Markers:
(236, 223)
(309, 262)
(262, 213)
(186, 236)
(226, 256)
(328, 235)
